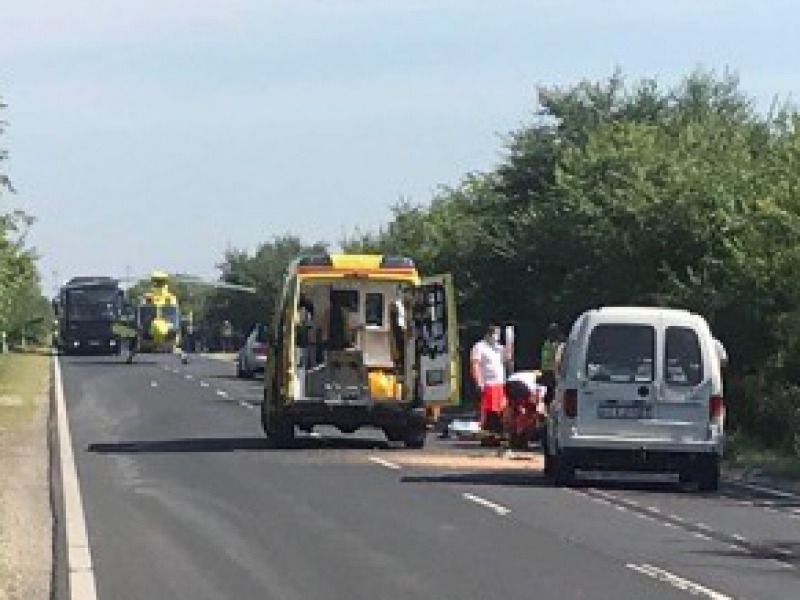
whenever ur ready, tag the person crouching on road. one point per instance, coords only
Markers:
(488, 361)
(525, 411)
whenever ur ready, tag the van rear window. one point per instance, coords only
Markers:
(683, 359)
(621, 353)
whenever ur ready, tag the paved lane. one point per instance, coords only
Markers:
(185, 500)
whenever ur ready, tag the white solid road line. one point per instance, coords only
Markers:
(79, 558)
(384, 463)
(500, 510)
(678, 582)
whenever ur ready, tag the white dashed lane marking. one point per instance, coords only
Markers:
(384, 463)
(497, 508)
(678, 582)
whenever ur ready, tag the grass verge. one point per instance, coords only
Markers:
(23, 380)
(744, 454)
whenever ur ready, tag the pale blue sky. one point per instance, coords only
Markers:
(151, 133)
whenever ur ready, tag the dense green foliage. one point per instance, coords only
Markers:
(622, 193)
(24, 313)
(264, 270)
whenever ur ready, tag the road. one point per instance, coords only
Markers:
(184, 500)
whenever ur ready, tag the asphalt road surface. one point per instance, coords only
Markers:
(184, 500)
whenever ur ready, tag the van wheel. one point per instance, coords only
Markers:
(708, 474)
(563, 471)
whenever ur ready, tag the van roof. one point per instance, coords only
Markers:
(643, 313)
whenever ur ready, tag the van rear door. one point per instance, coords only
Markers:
(683, 407)
(617, 395)
(644, 382)
(435, 342)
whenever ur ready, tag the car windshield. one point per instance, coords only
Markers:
(94, 304)
(621, 353)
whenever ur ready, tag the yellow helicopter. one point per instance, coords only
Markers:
(155, 325)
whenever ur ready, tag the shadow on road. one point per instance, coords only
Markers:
(216, 445)
(111, 362)
(493, 478)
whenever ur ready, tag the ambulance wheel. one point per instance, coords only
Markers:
(563, 471)
(279, 430)
(414, 437)
(518, 441)
(393, 435)
(549, 463)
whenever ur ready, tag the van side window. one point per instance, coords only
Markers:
(373, 307)
(683, 359)
(621, 354)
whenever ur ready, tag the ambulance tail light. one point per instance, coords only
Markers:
(571, 403)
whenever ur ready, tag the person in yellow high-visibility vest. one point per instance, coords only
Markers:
(549, 360)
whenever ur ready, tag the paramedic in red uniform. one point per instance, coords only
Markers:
(488, 361)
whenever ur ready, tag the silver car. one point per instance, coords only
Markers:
(252, 356)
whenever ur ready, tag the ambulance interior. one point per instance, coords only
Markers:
(351, 338)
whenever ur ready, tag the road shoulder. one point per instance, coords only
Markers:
(26, 521)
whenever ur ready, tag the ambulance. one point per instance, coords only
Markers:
(360, 341)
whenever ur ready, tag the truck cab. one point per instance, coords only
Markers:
(360, 341)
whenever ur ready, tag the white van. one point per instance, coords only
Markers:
(638, 389)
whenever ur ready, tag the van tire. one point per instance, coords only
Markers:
(708, 474)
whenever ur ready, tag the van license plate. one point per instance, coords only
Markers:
(625, 412)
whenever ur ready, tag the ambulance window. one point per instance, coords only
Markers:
(374, 309)
(684, 363)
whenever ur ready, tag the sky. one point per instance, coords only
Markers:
(148, 134)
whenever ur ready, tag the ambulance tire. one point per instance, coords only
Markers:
(563, 471)
(414, 437)
(279, 430)
(518, 441)
(549, 463)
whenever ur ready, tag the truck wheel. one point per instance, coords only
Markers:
(708, 474)
(415, 437)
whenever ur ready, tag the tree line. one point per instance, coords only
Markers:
(24, 312)
(618, 192)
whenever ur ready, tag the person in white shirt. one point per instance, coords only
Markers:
(488, 361)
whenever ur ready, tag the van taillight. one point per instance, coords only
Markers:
(716, 408)
(571, 403)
